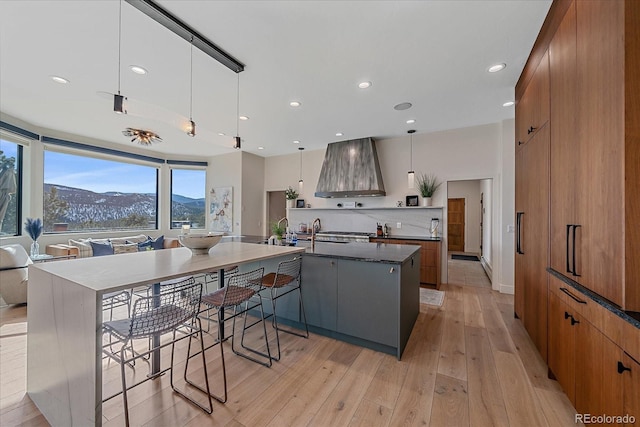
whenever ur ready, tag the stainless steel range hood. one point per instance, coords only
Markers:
(350, 169)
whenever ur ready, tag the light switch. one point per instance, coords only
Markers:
(398, 225)
(511, 228)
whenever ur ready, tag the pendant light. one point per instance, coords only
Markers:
(191, 131)
(411, 175)
(236, 139)
(300, 182)
(118, 100)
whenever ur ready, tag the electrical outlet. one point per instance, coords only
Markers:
(398, 225)
(511, 229)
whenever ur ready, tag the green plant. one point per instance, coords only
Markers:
(290, 194)
(427, 184)
(277, 230)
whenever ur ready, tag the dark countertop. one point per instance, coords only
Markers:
(628, 316)
(245, 239)
(367, 252)
(423, 238)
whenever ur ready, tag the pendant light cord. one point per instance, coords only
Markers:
(300, 164)
(411, 152)
(191, 84)
(238, 107)
(119, 43)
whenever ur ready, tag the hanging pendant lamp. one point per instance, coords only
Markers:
(236, 139)
(191, 131)
(300, 182)
(118, 100)
(411, 175)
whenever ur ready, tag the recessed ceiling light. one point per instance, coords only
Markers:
(138, 69)
(364, 85)
(261, 148)
(221, 134)
(296, 142)
(508, 104)
(243, 118)
(411, 121)
(403, 106)
(59, 79)
(339, 134)
(295, 103)
(496, 68)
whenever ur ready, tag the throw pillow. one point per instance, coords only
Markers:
(124, 248)
(101, 249)
(130, 239)
(84, 247)
(145, 246)
(157, 243)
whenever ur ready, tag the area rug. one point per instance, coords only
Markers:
(431, 297)
(465, 257)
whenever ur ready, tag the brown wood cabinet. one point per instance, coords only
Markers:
(429, 258)
(562, 346)
(532, 218)
(532, 110)
(631, 387)
(595, 148)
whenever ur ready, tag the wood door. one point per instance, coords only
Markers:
(600, 130)
(631, 390)
(562, 346)
(564, 144)
(455, 224)
(535, 238)
(598, 384)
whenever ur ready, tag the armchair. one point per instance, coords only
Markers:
(14, 263)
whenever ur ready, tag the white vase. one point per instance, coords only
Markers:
(426, 201)
(291, 203)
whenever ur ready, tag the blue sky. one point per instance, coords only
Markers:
(101, 176)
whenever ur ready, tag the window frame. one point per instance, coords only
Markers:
(186, 168)
(20, 142)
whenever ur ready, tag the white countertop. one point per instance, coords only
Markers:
(114, 272)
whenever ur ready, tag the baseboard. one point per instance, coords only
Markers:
(505, 289)
(487, 268)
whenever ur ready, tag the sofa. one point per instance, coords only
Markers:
(117, 245)
(14, 274)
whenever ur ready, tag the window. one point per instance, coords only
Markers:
(188, 198)
(86, 194)
(10, 187)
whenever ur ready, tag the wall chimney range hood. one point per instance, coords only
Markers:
(350, 169)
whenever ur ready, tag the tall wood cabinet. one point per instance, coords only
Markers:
(595, 148)
(532, 212)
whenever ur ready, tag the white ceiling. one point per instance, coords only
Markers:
(433, 54)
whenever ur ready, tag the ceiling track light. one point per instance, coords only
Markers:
(192, 125)
(118, 100)
(411, 175)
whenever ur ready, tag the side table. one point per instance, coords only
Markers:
(47, 257)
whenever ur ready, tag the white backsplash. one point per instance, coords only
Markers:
(414, 221)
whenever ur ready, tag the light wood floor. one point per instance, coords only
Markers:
(468, 363)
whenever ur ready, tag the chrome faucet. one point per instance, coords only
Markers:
(313, 232)
(284, 219)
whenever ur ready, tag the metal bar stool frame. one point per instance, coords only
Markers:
(212, 278)
(241, 288)
(285, 280)
(174, 310)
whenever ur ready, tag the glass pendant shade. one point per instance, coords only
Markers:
(192, 128)
(118, 104)
(411, 179)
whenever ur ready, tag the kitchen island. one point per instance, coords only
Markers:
(363, 293)
(64, 341)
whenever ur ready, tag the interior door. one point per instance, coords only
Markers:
(455, 224)
(277, 208)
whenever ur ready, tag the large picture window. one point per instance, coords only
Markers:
(188, 198)
(83, 193)
(10, 187)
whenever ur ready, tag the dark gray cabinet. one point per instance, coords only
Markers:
(368, 301)
(320, 291)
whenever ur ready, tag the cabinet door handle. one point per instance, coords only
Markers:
(519, 216)
(622, 368)
(574, 321)
(531, 130)
(575, 273)
(567, 315)
(520, 142)
(573, 297)
(391, 270)
(568, 232)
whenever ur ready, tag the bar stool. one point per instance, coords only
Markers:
(285, 280)
(174, 309)
(241, 289)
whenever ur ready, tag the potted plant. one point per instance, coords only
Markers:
(291, 195)
(277, 231)
(427, 185)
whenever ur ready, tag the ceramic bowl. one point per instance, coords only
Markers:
(200, 243)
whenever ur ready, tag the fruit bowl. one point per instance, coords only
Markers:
(199, 244)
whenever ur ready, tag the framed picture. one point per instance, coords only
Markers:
(412, 201)
(300, 203)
